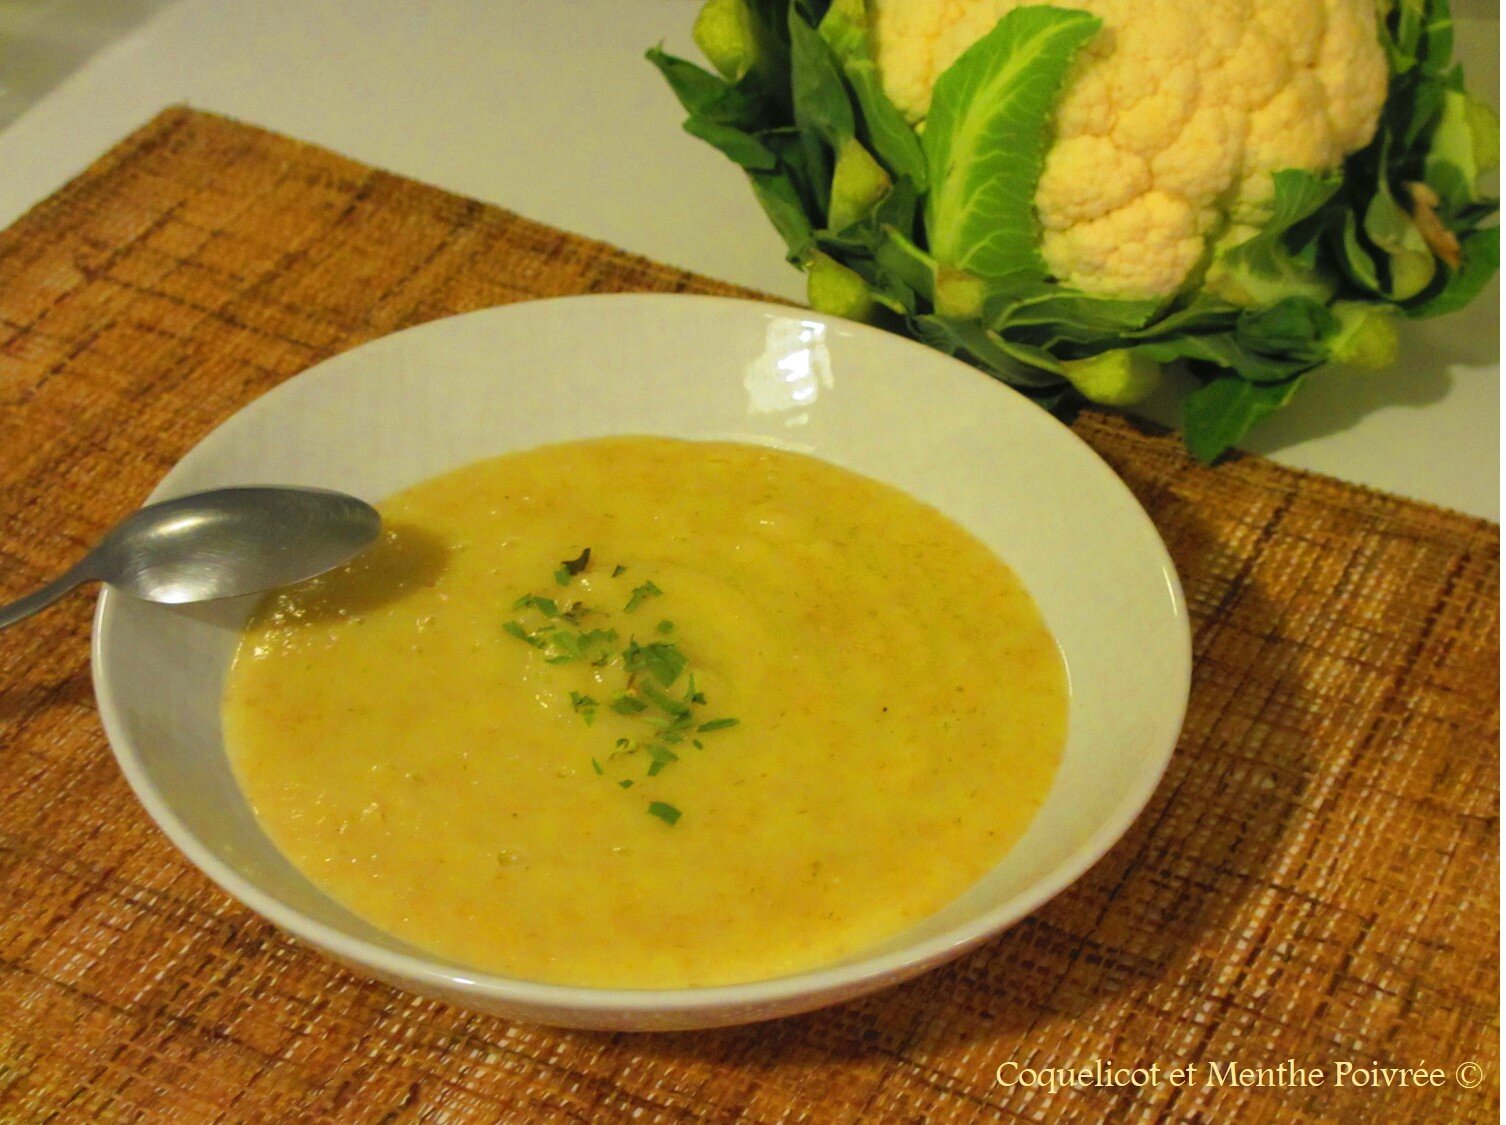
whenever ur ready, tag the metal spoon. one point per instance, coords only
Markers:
(218, 544)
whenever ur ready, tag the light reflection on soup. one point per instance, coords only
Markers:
(776, 713)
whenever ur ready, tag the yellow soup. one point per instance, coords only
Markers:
(638, 712)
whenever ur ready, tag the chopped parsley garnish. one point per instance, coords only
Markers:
(661, 659)
(648, 672)
(584, 706)
(567, 646)
(667, 813)
(628, 705)
(665, 703)
(547, 606)
(659, 757)
(640, 593)
(592, 645)
(575, 612)
(571, 567)
(516, 630)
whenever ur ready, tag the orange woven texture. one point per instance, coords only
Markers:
(1316, 880)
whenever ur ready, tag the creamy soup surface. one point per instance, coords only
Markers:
(639, 712)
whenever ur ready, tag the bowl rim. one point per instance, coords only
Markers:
(849, 978)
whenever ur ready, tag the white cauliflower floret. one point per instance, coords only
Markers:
(1173, 120)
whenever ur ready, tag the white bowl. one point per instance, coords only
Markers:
(409, 406)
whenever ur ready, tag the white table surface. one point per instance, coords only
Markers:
(549, 109)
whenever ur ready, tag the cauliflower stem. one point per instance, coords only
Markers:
(978, 187)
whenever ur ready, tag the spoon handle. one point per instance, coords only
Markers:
(39, 599)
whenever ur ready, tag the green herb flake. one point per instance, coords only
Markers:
(565, 646)
(572, 567)
(625, 783)
(584, 705)
(618, 569)
(640, 593)
(667, 813)
(595, 765)
(665, 627)
(547, 606)
(662, 659)
(596, 645)
(668, 704)
(562, 577)
(716, 724)
(628, 705)
(512, 628)
(562, 647)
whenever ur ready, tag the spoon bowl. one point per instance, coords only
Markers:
(218, 544)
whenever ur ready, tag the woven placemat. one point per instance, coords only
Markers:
(1314, 884)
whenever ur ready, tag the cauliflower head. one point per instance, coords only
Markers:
(1068, 194)
(1173, 121)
